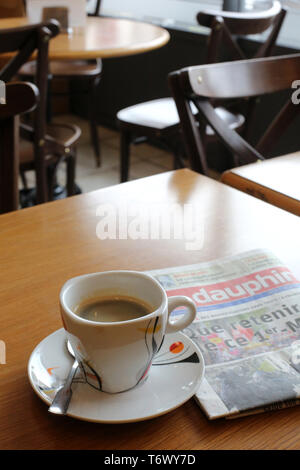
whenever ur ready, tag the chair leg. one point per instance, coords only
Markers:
(93, 123)
(178, 161)
(42, 188)
(178, 152)
(125, 155)
(49, 111)
(51, 180)
(23, 179)
(174, 145)
(71, 165)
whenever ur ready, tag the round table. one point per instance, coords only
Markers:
(101, 38)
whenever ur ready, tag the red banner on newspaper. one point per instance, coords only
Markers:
(258, 283)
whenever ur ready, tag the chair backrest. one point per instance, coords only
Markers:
(20, 98)
(12, 8)
(96, 12)
(21, 43)
(227, 27)
(231, 80)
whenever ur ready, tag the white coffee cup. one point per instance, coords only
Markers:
(117, 356)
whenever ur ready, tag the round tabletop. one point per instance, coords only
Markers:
(101, 38)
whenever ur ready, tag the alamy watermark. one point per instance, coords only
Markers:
(2, 92)
(155, 221)
(296, 94)
(2, 352)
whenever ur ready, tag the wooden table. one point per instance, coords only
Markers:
(274, 180)
(102, 38)
(41, 247)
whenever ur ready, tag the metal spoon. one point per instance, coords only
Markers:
(63, 397)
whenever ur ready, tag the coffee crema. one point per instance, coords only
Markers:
(115, 308)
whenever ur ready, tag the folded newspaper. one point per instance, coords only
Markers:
(247, 328)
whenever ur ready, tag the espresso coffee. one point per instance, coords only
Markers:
(112, 309)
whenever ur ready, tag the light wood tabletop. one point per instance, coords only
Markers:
(43, 246)
(274, 180)
(102, 38)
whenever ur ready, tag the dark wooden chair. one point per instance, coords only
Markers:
(240, 79)
(20, 98)
(48, 145)
(88, 72)
(157, 120)
(228, 30)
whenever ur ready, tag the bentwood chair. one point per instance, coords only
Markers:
(19, 98)
(47, 145)
(88, 72)
(199, 85)
(157, 121)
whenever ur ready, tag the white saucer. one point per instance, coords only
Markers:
(173, 379)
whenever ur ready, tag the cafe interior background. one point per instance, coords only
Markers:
(122, 82)
(129, 80)
(134, 81)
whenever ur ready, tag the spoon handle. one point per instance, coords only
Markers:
(62, 398)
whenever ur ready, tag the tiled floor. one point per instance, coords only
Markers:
(146, 160)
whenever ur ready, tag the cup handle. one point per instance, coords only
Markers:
(188, 317)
